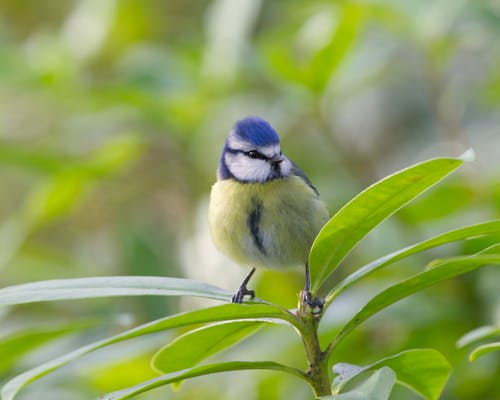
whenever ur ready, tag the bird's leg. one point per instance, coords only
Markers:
(243, 290)
(316, 304)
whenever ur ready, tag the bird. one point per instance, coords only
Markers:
(263, 211)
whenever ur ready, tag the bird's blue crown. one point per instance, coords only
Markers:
(256, 131)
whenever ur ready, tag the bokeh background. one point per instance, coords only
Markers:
(112, 117)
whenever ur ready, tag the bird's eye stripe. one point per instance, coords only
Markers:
(255, 154)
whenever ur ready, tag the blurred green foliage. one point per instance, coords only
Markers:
(112, 115)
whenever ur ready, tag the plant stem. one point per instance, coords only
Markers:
(316, 358)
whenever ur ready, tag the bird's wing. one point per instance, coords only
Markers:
(301, 174)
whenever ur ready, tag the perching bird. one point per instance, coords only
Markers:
(264, 211)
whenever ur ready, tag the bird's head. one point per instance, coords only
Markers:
(252, 153)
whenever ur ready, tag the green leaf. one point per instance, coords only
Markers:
(377, 387)
(367, 210)
(484, 349)
(84, 288)
(445, 269)
(423, 370)
(485, 228)
(493, 249)
(119, 371)
(224, 312)
(482, 333)
(191, 348)
(16, 345)
(199, 371)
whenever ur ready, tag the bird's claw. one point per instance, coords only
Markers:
(241, 293)
(316, 304)
(242, 290)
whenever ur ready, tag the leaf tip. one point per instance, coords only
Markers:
(468, 156)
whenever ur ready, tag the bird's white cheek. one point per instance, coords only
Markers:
(286, 167)
(247, 169)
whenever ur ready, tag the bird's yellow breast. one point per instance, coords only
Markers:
(270, 224)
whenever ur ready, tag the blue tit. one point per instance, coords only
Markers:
(264, 211)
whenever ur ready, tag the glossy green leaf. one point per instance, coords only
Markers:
(199, 371)
(484, 349)
(476, 335)
(485, 228)
(224, 312)
(445, 269)
(377, 387)
(191, 348)
(367, 210)
(423, 370)
(84, 288)
(493, 249)
(119, 371)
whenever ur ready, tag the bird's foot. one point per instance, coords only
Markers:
(243, 290)
(241, 293)
(315, 305)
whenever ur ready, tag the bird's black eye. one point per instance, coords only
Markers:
(256, 155)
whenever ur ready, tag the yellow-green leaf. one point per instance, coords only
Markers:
(189, 349)
(367, 210)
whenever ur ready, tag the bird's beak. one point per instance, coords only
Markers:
(275, 160)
